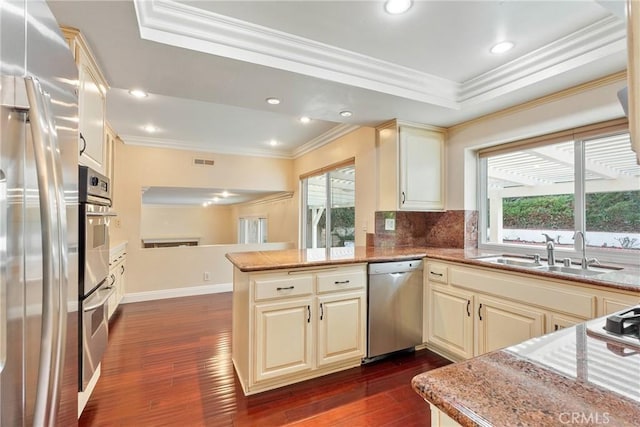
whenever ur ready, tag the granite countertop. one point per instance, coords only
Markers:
(564, 378)
(627, 279)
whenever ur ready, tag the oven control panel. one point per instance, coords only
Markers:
(93, 187)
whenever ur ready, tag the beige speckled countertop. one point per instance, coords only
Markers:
(627, 279)
(565, 378)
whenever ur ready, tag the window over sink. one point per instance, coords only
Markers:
(547, 188)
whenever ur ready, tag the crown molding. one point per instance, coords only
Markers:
(324, 139)
(591, 43)
(181, 25)
(197, 147)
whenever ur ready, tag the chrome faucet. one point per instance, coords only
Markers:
(551, 256)
(584, 262)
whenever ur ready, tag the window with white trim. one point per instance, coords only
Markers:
(546, 189)
(252, 230)
(328, 208)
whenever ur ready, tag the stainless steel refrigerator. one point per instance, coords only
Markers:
(38, 219)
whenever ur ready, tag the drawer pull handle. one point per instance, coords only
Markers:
(288, 288)
(436, 274)
(468, 305)
(343, 282)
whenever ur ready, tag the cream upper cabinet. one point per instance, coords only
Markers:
(504, 323)
(110, 139)
(411, 159)
(91, 102)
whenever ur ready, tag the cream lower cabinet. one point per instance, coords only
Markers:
(504, 323)
(450, 320)
(341, 327)
(293, 325)
(473, 309)
(284, 336)
(117, 277)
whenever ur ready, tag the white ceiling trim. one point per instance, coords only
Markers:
(596, 41)
(327, 137)
(197, 147)
(181, 25)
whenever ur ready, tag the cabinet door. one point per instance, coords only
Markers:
(450, 320)
(560, 321)
(502, 324)
(341, 327)
(112, 302)
(283, 339)
(91, 116)
(122, 279)
(421, 169)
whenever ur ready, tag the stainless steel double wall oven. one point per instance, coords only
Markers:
(94, 291)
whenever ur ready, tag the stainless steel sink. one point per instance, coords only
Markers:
(508, 260)
(573, 270)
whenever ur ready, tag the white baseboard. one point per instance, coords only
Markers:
(177, 292)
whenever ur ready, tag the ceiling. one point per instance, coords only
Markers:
(205, 196)
(209, 65)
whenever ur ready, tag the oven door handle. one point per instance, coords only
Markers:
(100, 302)
(101, 214)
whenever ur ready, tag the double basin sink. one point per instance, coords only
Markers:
(530, 263)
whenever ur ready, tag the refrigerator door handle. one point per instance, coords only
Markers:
(63, 256)
(53, 303)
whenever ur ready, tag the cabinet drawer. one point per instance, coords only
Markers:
(341, 280)
(437, 272)
(282, 286)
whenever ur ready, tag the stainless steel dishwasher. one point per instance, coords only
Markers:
(394, 307)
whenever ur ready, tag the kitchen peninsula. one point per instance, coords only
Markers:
(300, 314)
(573, 376)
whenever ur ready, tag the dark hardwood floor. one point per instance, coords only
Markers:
(169, 363)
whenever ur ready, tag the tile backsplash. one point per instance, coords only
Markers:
(451, 229)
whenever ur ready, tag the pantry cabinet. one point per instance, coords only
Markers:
(296, 324)
(411, 165)
(92, 88)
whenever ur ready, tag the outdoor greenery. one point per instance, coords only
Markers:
(608, 212)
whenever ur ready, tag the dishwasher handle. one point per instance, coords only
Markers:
(395, 267)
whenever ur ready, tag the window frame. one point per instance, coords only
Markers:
(263, 225)
(579, 136)
(303, 179)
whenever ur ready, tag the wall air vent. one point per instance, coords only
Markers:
(203, 162)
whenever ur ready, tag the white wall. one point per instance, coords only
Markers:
(137, 167)
(594, 104)
(360, 144)
(212, 225)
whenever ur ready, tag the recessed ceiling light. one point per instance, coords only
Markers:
(346, 113)
(396, 7)
(216, 199)
(150, 128)
(205, 204)
(273, 101)
(273, 143)
(138, 93)
(305, 119)
(225, 194)
(502, 47)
